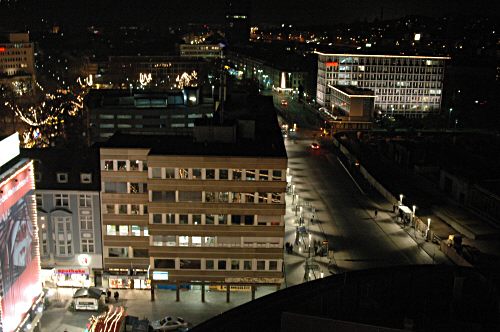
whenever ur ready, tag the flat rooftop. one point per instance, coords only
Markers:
(353, 91)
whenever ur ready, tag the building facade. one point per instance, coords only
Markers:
(193, 212)
(21, 295)
(410, 86)
(17, 66)
(109, 111)
(205, 51)
(69, 217)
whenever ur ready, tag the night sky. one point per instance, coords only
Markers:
(270, 11)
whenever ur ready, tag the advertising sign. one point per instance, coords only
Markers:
(19, 255)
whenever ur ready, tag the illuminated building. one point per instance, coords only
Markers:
(21, 294)
(202, 209)
(411, 86)
(144, 112)
(205, 51)
(125, 71)
(69, 218)
(17, 69)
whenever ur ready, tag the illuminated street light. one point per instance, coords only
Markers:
(401, 199)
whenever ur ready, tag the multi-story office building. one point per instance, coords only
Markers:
(69, 217)
(21, 295)
(203, 209)
(109, 111)
(411, 86)
(17, 66)
(205, 51)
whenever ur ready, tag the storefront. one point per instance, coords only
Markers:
(72, 277)
(128, 282)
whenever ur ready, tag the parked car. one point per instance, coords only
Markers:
(169, 323)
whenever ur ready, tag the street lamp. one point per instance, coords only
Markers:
(428, 228)
(449, 116)
(413, 214)
(401, 199)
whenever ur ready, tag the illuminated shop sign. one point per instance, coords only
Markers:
(72, 271)
(160, 275)
(332, 64)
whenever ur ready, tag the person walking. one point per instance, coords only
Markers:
(376, 213)
(116, 296)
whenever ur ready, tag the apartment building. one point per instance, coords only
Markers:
(195, 209)
(68, 210)
(410, 86)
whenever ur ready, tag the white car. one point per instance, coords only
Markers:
(169, 324)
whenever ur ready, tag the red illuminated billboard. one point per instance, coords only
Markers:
(19, 258)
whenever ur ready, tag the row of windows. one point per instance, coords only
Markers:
(193, 173)
(403, 61)
(62, 200)
(216, 197)
(213, 219)
(215, 241)
(385, 77)
(218, 264)
(384, 69)
(126, 230)
(63, 237)
(127, 125)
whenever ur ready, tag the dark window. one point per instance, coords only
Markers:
(165, 263)
(221, 265)
(141, 253)
(191, 264)
(248, 220)
(235, 220)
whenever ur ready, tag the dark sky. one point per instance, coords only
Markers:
(274, 11)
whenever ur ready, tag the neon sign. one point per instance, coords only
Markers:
(332, 64)
(144, 78)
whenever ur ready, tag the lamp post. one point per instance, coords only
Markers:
(401, 199)
(428, 228)
(449, 117)
(413, 215)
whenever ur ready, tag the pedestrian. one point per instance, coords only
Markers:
(116, 296)
(376, 212)
(108, 293)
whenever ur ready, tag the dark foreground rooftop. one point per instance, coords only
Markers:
(416, 298)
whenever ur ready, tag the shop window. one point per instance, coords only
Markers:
(118, 252)
(164, 263)
(247, 265)
(142, 253)
(261, 265)
(190, 264)
(235, 264)
(209, 264)
(183, 241)
(221, 265)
